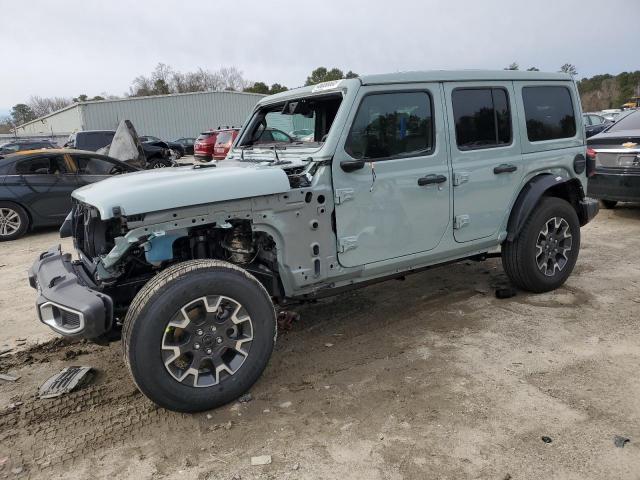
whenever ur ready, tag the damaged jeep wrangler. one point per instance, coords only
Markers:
(403, 172)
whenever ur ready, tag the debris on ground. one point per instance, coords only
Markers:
(620, 441)
(69, 379)
(9, 378)
(246, 398)
(286, 319)
(296, 466)
(261, 460)
(506, 292)
(285, 404)
(14, 405)
(546, 439)
(328, 345)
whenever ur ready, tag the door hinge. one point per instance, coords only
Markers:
(342, 195)
(347, 243)
(460, 177)
(461, 221)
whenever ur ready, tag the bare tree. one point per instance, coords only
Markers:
(41, 106)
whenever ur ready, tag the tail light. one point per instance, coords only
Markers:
(591, 162)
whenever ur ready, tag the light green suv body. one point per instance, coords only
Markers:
(404, 171)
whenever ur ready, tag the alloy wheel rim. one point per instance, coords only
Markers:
(207, 341)
(553, 244)
(9, 221)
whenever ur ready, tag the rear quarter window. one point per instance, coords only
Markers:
(549, 113)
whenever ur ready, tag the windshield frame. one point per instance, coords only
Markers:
(269, 107)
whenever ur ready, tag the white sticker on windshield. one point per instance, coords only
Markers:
(326, 86)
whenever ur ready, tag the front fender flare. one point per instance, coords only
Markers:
(527, 200)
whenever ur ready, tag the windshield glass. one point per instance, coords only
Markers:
(295, 123)
(629, 122)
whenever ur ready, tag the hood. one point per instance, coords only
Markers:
(166, 188)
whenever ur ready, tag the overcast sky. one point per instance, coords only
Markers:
(69, 47)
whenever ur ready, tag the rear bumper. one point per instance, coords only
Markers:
(68, 302)
(589, 208)
(622, 185)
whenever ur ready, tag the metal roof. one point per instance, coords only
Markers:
(461, 76)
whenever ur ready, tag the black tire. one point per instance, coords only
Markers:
(158, 163)
(14, 221)
(520, 257)
(609, 204)
(161, 299)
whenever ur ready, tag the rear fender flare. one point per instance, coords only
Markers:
(529, 197)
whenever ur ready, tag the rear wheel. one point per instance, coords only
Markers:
(543, 255)
(199, 335)
(609, 203)
(14, 221)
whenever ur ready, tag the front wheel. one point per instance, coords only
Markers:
(199, 335)
(543, 255)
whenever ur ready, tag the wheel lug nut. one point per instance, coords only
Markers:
(209, 351)
(219, 340)
(198, 332)
(196, 346)
(213, 328)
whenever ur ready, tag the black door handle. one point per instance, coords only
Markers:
(505, 168)
(431, 179)
(351, 165)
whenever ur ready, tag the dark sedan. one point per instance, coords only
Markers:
(187, 143)
(21, 145)
(36, 186)
(616, 153)
(594, 123)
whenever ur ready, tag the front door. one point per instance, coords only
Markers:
(391, 175)
(485, 154)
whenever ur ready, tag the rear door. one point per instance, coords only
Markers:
(47, 182)
(391, 175)
(486, 155)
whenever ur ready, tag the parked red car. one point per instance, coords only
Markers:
(224, 140)
(203, 148)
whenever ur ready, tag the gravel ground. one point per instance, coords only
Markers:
(432, 377)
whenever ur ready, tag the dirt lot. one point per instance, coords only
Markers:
(432, 377)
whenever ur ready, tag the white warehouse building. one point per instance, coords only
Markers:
(165, 116)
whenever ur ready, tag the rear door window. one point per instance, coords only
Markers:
(224, 138)
(549, 113)
(482, 117)
(94, 165)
